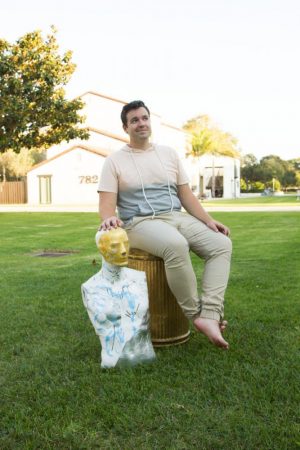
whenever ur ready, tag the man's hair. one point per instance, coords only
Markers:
(129, 107)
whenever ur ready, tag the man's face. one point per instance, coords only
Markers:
(138, 124)
(114, 246)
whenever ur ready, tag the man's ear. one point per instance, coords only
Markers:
(125, 128)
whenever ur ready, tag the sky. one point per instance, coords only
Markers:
(235, 60)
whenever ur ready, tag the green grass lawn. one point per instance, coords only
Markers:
(288, 200)
(54, 394)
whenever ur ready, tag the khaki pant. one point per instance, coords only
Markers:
(170, 236)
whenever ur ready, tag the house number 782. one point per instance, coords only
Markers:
(87, 179)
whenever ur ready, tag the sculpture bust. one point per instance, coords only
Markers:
(116, 299)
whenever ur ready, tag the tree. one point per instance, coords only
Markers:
(270, 170)
(289, 178)
(207, 138)
(273, 167)
(16, 165)
(249, 160)
(295, 168)
(295, 163)
(6, 164)
(33, 109)
(251, 170)
(22, 163)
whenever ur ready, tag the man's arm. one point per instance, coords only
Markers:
(107, 211)
(192, 205)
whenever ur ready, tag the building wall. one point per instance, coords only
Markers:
(74, 178)
(96, 141)
(229, 167)
(110, 144)
(103, 114)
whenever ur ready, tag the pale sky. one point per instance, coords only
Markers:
(235, 60)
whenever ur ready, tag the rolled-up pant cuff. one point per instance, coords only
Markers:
(209, 314)
(193, 317)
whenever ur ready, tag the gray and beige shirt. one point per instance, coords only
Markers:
(143, 177)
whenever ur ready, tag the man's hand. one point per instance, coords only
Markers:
(218, 227)
(110, 223)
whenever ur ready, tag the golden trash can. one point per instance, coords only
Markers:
(168, 324)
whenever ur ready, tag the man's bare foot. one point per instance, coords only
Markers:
(213, 330)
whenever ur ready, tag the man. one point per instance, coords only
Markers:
(149, 186)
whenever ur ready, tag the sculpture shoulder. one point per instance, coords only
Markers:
(134, 274)
(93, 281)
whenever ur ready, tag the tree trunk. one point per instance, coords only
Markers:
(213, 178)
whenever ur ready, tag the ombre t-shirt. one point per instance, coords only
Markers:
(125, 171)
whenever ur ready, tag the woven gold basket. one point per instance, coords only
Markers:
(168, 324)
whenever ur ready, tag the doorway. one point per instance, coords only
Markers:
(45, 189)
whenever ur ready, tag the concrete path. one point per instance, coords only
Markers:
(48, 208)
(94, 208)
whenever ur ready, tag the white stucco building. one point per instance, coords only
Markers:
(226, 176)
(70, 174)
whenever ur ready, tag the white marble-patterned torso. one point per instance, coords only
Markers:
(116, 299)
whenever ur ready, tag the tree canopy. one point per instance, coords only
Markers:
(16, 165)
(207, 138)
(34, 112)
(269, 169)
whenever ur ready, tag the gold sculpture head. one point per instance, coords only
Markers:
(114, 246)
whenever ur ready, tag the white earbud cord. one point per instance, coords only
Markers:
(168, 179)
(142, 184)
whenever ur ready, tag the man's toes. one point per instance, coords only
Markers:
(223, 325)
(221, 343)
